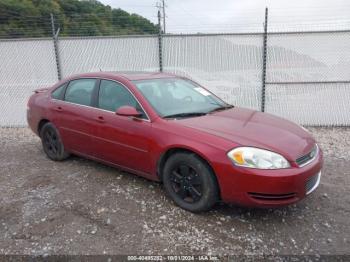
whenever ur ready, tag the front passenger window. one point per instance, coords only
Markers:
(113, 95)
(80, 91)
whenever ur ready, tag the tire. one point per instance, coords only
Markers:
(190, 182)
(52, 143)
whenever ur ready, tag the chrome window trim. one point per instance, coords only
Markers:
(99, 78)
(312, 159)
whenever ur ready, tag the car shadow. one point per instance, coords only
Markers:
(219, 210)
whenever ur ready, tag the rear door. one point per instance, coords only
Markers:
(75, 116)
(122, 140)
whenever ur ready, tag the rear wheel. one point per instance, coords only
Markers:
(52, 144)
(189, 181)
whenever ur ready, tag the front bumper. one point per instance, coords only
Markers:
(268, 188)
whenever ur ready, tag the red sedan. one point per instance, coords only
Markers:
(171, 129)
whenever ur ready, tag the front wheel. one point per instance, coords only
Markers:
(52, 144)
(190, 182)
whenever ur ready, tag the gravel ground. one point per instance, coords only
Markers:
(82, 207)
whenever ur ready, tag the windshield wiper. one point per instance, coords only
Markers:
(185, 115)
(220, 108)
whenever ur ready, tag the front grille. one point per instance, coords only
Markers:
(261, 196)
(312, 183)
(305, 159)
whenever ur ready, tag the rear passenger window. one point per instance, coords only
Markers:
(80, 91)
(58, 93)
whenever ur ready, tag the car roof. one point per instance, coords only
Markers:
(130, 75)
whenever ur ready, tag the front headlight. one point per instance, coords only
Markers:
(257, 158)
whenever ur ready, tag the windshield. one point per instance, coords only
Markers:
(177, 97)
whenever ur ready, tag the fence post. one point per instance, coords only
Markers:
(55, 44)
(264, 62)
(160, 51)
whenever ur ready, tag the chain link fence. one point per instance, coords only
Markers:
(307, 73)
(308, 77)
(108, 54)
(228, 65)
(25, 65)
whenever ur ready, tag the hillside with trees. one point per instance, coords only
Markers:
(31, 18)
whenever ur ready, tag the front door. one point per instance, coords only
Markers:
(122, 140)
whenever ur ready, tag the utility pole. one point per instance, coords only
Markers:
(163, 16)
(161, 7)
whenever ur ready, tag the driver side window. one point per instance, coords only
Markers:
(113, 95)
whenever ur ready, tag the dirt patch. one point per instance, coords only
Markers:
(82, 207)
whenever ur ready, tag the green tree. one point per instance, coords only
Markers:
(31, 18)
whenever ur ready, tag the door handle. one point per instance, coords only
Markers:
(100, 119)
(59, 109)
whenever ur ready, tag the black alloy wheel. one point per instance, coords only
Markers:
(190, 182)
(52, 144)
(186, 183)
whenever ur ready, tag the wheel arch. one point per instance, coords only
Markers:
(41, 123)
(176, 149)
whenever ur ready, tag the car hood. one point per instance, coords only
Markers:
(252, 128)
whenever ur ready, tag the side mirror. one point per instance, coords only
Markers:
(127, 111)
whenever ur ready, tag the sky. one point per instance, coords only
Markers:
(220, 16)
